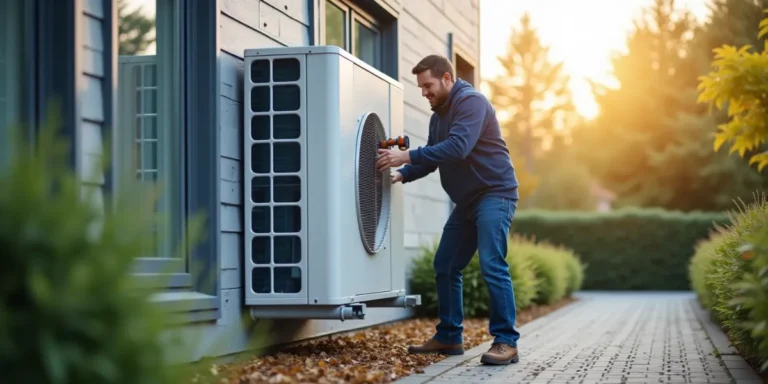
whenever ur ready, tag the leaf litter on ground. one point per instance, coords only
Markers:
(378, 354)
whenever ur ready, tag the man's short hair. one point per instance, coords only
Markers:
(437, 65)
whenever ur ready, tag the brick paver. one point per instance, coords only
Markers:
(609, 338)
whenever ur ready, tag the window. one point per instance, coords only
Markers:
(149, 120)
(463, 64)
(464, 70)
(350, 28)
(11, 70)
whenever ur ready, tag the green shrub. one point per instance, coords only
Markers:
(532, 283)
(701, 263)
(575, 273)
(69, 310)
(729, 273)
(628, 249)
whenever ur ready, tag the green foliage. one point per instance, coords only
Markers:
(729, 273)
(69, 309)
(628, 249)
(738, 81)
(701, 265)
(541, 273)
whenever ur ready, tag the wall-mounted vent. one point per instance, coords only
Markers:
(275, 174)
(324, 227)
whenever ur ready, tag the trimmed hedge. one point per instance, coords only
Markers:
(729, 273)
(541, 274)
(628, 249)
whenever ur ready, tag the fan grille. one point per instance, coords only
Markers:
(372, 185)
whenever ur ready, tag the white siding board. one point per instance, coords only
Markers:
(94, 8)
(92, 99)
(230, 248)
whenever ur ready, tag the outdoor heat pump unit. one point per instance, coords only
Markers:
(323, 229)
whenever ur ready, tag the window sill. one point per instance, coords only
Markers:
(187, 307)
(163, 280)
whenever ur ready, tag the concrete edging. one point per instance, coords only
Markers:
(735, 364)
(450, 362)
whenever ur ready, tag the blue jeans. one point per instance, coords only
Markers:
(483, 227)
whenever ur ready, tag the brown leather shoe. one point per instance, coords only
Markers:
(434, 346)
(500, 354)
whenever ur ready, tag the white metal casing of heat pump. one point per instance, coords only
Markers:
(336, 91)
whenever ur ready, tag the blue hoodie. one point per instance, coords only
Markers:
(466, 144)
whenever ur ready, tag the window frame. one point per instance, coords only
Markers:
(372, 25)
(456, 53)
(196, 83)
(172, 131)
(17, 58)
(372, 14)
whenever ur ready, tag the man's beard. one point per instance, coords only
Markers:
(439, 98)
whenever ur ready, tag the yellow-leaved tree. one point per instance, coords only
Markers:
(739, 81)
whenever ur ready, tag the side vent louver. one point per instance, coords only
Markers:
(275, 178)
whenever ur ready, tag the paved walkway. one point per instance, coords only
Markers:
(608, 338)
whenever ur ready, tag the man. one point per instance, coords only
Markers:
(476, 172)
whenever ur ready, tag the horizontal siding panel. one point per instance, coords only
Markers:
(297, 10)
(94, 8)
(92, 99)
(231, 76)
(231, 127)
(437, 27)
(270, 19)
(266, 28)
(231, 218)
(93, 62)
(461, 13)
(230, 249)
(231, 278)
(89, 168)
(93, 36)
(91, 140)
(230, 169)
(231, 192)
(246, 12)
(236, 37)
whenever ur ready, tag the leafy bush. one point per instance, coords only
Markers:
(541, 273)
(701, 264)
(628, 249)
(69, 310)
(729, 273)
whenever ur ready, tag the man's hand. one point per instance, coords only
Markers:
(390, 159)
(397, 177)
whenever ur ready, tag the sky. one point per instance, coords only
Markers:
(583, 34)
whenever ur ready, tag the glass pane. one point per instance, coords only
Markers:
(11, 70)
(148, 105)
(367, 44)
(334, 25)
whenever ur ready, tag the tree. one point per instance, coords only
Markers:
(738, 80)
(635, 122)
(533, 92)
(688, 166)
(134, 30)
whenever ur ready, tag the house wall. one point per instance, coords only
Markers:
(423, 28)
(91, 69)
